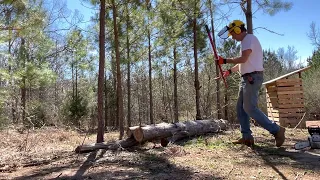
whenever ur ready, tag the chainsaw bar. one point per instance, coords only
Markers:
(313, 142)
(302, 145)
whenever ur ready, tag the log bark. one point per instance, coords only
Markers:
(129, 142)
(178, 130)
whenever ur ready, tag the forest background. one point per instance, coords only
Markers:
(158, 63)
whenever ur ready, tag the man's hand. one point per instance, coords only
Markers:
(221, 60)
(226, 73)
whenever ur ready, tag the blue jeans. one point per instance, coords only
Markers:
(247, 107)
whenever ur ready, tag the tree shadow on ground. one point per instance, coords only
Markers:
(275, 157)
(146, 165)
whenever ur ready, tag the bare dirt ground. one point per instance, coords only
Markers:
(48, 153)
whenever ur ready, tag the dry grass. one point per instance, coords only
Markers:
(48, 154)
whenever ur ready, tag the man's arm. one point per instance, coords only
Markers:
(244, 57)
(235, 68)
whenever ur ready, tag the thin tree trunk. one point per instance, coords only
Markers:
(119, 86)
(248, 14)
(175, 89)
(196, 76)
(23, 99)
(139, 100)
(101, 126)
(14, 101)
(128, 70)
(114, 109)
(106, 98)
(217, 68)
(150, 69)
(72, 77)
(23, 88)
(76, 83)
(150, 80)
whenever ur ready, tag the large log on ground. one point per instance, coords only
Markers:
(129, 142)
(162, 131)
(130, 130)
(178, 130)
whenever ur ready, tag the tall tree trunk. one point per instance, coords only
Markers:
(150, 69)
(196, 76)
(23, 88)
(128, 69)
(101, 127)
(217, 68)
(114, 107)
(56, 102)
(248, 14)
(14, 101)
(23, 99)
(150, 80)
(119, 86)
(72, 77)
(175, 88)
(106, 112)
(76, 83)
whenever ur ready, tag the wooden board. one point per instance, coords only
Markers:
(274, 115)
(271, 89)
(290, 106)
(281, 89)
(285, 96)
(285, 76)
(271, 94)
(291, 110)
(289, 115)
(290, 92)
(313, 123)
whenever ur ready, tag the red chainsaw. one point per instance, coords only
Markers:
(216, 57)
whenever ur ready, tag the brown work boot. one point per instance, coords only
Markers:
(280, 136)
(248, 142)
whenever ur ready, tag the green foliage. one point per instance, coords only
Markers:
(314, 61)
(272, 65)
(311, 81)
(2, 106)
(36, 113)
(76, 108)
(272, 7)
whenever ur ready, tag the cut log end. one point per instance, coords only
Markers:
(138, 134)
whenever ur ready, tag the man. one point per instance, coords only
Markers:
(250, 66)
